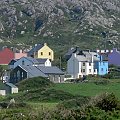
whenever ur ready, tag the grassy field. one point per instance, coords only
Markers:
(89, 89)
(39, 105)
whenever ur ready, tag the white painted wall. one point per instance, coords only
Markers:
(75, 68)
(47, 63)
(2, 92)
(14, 90)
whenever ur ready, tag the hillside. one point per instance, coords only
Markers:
(87, 23)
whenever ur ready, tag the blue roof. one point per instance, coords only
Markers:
(35, 49)
(33, 71)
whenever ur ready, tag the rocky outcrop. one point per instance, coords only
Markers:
(52, 18)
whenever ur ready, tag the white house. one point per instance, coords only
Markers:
(80, 65)
(29, 61)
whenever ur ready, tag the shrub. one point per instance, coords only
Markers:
(102, 82)
(34, 83)
(74, 103)
(105, 101)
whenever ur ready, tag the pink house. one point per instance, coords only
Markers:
(20, 55)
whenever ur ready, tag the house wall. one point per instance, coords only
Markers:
(8, 89)
(20, 55)
(114, 57)
(14, 90)
(89, 68)
(102, 67)
(20, 62)
(56, 78)
(73, 67)
(77, 68)
(17, 75)
(2, 92)
(6, 55)
(47, 63)
(45, 50)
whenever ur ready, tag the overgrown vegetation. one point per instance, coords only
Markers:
(73, 101)
(34, 83)
(103, 107)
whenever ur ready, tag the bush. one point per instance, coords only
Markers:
(105, 101)
(74, 103)
(34, 83)
(102, 82)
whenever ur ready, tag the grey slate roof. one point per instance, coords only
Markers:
(11, 85)
(41, 61)
(81, 58)
(35, 49)
(50, 69)
(33, 60)
(12, 62)
(33, 71)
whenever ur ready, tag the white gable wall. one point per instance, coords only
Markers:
(77, 68)
(47, 63)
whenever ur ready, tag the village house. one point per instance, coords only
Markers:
(7, 88)
(71, 51)
(29, 61)
(6, 55)
(23, 72)
(101, 66)
(20, 54)
(114, 57)
(86, 63)
(41, 51)
(79, 66)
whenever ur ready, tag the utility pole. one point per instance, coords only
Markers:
(60, 62)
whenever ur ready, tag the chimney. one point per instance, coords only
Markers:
(92, 59)
(21, 51)
(35, 45)
(45, 44)
(114, 49)
(74, 55)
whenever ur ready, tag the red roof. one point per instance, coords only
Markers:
(6, 55)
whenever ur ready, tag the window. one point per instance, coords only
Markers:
(49, 53)
(83, 64)
(22, 74)
(89, 64)
(41, 53)
(23, 62)
(90, 70)
(101, 69)
(83, 70)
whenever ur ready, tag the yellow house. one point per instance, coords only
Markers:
(41, 51)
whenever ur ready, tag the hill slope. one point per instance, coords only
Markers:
(88, 23)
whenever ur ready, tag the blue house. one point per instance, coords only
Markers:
(101, 66)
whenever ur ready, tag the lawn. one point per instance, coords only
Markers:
(89, 89)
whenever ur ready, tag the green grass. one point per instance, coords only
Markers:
(89, 89)
(40, 105)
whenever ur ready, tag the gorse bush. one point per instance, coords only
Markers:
(105, 101)
(34, 83)
(102, 82)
